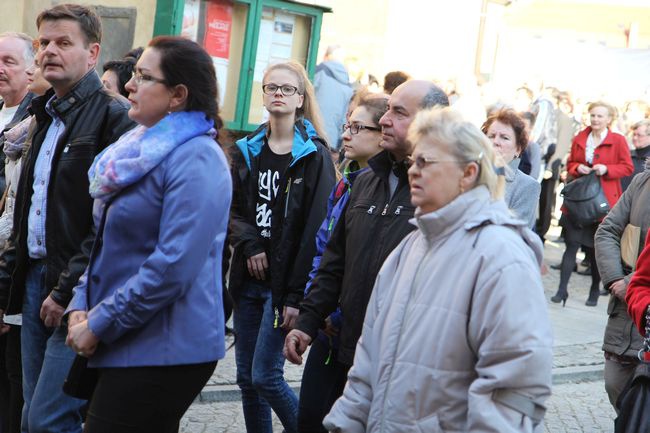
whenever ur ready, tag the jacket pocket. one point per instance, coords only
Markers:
(79, 148)
(368, 207)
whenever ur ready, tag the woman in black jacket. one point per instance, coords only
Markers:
(282, 176)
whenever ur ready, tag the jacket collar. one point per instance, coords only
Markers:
(453, 216)
(303, 144)
(351, 171)
(22, 110)
(584, 135)
(642, 153)
(511, 170)
(89, 84)
(470, 210)
(383, 163)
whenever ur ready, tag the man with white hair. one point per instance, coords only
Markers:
(16, 56)
(16, 59)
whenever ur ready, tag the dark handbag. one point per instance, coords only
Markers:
(585, 200)
(633, 403)
(81, 380)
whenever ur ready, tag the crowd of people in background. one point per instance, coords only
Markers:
(129, 228)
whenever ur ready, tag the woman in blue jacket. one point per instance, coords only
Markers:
(148, 311)
(282, 176)
(324, 376)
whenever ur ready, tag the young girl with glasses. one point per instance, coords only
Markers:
(282, 176)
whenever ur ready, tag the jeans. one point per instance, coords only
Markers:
(260, 363)
(323, 380)
(46, 363)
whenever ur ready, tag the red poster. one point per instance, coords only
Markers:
(218, 25)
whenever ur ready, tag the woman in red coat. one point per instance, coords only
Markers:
(604, 152)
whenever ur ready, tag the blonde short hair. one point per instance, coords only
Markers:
(609, 107)
(464, 140)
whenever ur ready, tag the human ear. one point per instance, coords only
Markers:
(470, 176)
(178, 100)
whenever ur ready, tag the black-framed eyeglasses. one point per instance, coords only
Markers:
(285, 89)
(356, 127)
(139, 78)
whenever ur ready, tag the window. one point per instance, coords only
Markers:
(244, 37)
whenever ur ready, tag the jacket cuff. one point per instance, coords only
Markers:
(308, 324)
(102, 325)
(294, 298)
(252, 248)
(60, 297)
(78, 303)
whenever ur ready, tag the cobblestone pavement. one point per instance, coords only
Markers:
(573, 407)
(579, 407)
(219, 417)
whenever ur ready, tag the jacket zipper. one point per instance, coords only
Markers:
(286, 201)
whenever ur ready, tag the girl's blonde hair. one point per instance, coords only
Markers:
(309, 109)
(464, 140)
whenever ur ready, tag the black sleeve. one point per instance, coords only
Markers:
(7, 264)
(323, 297)
(322, 180)
(243, 234)
(117, 122)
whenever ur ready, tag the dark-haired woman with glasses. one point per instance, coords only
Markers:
(282, 177)
(324, 375)
(148, 311)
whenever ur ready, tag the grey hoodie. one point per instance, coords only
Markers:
(333, 93)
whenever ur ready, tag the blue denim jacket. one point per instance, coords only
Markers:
(154, 296)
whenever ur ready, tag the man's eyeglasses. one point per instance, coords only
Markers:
(285, 89)
(355, 128)
(141, 78)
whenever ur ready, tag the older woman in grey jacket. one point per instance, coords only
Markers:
(507, 131)
(445, 345)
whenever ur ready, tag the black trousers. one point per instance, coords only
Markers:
(322, 384)
(11, 383)
(144, 399)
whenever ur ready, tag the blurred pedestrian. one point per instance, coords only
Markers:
(282, 175)
(464, 359)
(618, 242)
(16, 76)
(117, 73)
(507, 132)
(530, 161)
(16, 57)
(323, 372)
(333, 92)
(394, 79)
(599, 150)
(641, 151)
